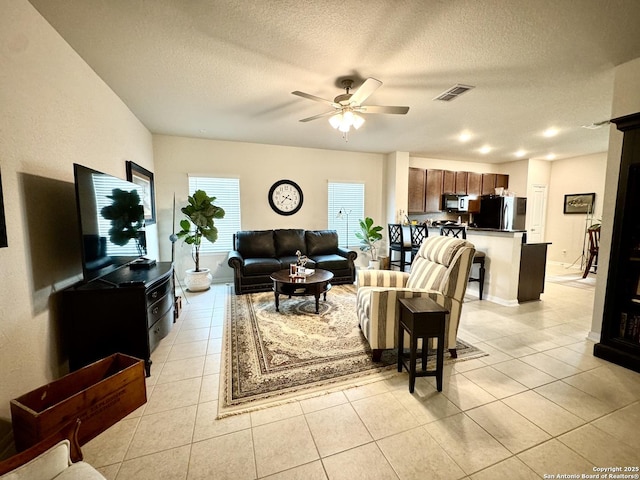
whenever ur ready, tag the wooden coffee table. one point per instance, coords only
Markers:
(316, 284)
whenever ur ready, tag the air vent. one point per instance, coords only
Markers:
(454, 92)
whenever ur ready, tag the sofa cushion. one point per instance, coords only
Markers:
(331, 262)
(321, 242)
(288, 241)
(261, 266)
(256, 243)
(45, 466)
(80, 471)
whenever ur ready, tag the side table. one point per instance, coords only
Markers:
(421, 317)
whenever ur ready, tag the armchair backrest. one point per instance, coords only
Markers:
(442, 264)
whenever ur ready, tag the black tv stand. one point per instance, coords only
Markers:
(127, 311)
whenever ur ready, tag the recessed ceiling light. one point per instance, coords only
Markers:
(520, 153)
(464, 137)
(486, 149)
(550, 132)
(551, 156)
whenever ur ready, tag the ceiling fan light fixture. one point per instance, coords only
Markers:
(358, 121)
(335, 120)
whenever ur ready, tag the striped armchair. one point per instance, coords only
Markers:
(440, 270)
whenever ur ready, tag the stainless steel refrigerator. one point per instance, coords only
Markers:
(502, 213)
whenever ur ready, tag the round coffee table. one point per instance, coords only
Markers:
(315, 284)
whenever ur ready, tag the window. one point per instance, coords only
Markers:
(346, 208)
(227, 193)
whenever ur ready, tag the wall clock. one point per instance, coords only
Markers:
(285, 197)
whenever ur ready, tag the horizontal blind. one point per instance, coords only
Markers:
(345, 209)
(227, 193)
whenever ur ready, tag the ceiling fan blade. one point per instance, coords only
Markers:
(313, 97)
(326, 114)
(381, 109)
(369, 86)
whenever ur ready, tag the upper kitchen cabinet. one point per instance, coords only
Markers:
(461, 183)
(433, 194)
(448, 181)
(417, 189)
(474, 184)
(502, 181)
(488, 183)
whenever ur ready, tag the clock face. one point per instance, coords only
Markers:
(285, 197)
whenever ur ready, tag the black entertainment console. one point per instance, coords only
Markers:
(128, 310)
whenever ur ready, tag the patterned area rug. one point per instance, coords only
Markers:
(272, 357)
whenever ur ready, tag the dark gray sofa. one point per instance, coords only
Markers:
(259, 253)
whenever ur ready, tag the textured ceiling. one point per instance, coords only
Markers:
(225, 69)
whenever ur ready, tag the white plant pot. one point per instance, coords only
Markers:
(374, 264)
(198, 281)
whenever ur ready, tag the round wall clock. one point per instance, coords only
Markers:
(285, 197)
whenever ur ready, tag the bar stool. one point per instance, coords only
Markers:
(418, 234)
(397, 243)
(458, 231)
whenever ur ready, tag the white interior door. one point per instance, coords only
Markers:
(537, 206)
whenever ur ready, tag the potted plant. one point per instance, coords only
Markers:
(200, 213)
(369, 236)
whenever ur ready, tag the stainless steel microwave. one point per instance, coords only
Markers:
(455, 203)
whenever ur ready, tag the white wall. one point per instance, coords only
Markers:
(626, 100)
(54, 111)
(518, 176)
(258, 167)
(568, 231)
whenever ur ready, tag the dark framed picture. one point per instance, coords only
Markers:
(3, 224)
(579, 202)
(144, 178)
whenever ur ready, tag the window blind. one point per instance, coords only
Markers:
(345, 209)
(227, 193)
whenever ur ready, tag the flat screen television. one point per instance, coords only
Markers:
(111, 217)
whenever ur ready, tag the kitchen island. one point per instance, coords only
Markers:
(515, 270)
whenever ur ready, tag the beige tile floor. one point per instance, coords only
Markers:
(540, 403)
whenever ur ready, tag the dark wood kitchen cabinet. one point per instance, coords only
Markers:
(474, 184)
(620, 336)
(433, 192)
(417, 188)
(448, 181)
(461, 183)
(502, 181)
(488, 183)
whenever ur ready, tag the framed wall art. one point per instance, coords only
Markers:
(579, 202)
(3, 224)
(144, 178)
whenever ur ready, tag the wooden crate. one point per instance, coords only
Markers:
(99, 394)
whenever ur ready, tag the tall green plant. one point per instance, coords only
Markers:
(369, 235)
(200, 213)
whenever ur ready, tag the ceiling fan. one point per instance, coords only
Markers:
(348, 106)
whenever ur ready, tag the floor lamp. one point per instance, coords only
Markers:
(344, 213)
